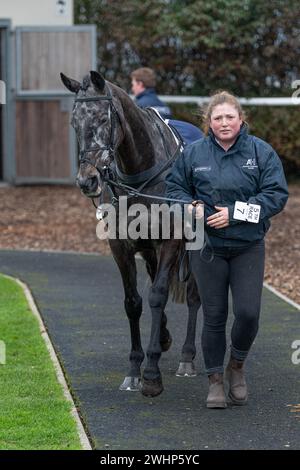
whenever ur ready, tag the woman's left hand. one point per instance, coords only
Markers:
(220, 219)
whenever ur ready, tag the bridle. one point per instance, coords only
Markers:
(110, 147)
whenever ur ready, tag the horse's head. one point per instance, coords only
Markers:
(97, 124)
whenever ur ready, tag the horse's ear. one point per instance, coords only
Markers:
(97, 80)
(69, 83)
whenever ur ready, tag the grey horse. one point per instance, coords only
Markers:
(119, 142)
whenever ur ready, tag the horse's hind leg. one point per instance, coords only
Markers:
(186, 366)
(151, 264)
(124, 257)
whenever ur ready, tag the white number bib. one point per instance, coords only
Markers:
(246, 212)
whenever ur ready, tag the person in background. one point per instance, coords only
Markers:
(143, 83)
(241, 182)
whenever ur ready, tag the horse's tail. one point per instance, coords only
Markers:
(178, 286)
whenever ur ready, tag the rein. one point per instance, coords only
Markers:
(136, 192)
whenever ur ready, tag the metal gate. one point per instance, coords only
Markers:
(45, 145)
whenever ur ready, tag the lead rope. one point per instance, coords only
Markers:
(183, 275)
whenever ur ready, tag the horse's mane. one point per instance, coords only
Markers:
(146, 113)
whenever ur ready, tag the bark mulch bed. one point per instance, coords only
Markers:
(60, 218)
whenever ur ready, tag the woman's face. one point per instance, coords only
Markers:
(225, 122)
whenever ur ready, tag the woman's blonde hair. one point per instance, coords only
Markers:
(217, 98)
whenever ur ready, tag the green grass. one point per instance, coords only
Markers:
(34, 413)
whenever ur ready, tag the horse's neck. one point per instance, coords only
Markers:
(136, 153)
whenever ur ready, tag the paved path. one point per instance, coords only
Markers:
(80, 298)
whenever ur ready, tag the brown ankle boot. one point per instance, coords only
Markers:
(235, 374)
(216, 395)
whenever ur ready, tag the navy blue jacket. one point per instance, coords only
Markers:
(148, 98)
(250, 171)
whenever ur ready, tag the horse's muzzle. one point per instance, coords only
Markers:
(88, 185)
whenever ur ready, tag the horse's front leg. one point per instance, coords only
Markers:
(158, 297)
(124, 257)
(151, 264)
(186, 366)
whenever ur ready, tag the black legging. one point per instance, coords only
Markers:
(241, 269)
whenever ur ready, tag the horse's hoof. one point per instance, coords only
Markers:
(131, 384)
(165, 346)
(186, 369)
(152, 388)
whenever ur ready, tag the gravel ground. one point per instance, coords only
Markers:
(60, 218)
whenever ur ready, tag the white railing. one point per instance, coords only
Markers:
(276, 101)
